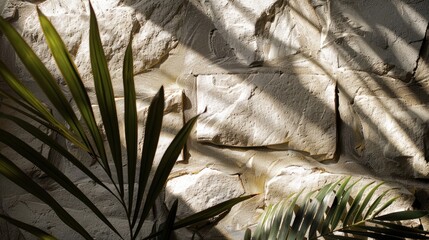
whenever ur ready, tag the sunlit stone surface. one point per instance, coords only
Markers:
(396, 135)
(200, 191)
(266, 76)
(375, 36)
(268, 109)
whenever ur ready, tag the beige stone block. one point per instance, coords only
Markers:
(395, 135)
(197, 192)
(281, 111)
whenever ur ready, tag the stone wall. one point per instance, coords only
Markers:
(292, 94)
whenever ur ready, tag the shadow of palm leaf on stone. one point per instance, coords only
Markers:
(333, 212)
(134, 189)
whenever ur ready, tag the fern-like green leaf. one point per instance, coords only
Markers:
(323, 212)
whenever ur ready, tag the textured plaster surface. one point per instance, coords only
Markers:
(292, 94)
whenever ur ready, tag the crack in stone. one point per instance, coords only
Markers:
(423, 55)
(338, 123)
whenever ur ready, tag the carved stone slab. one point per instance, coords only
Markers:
(284, 111)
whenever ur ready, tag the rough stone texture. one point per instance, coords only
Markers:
(395, 132)
(268, 72)
(376, 36)
(371, 85)
(154, 28)
(237, 21)
(291, 27)
(7, 230)
(200, 191)
(268, 109)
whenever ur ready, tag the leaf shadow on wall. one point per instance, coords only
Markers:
(357, 133)
(220, 51)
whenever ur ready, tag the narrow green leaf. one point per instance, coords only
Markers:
(266, 225)
(341, 208)
(130, 120)
(354, 208)
(210, 212)
(43, 164)
(44, 79)
(206, 214)
(342, 205)
(40, 135)
(70, 73)
(334, 206)
(42, 235)
(308, 218)
(317, 210)
(399, 227)
(325, 190)
(35, 115)
(323, 197)
(151, 137)
(337, 237)
(169, 223)
(26, 110)
(164, 168)
(393, 232)
(329, 216)
(16, 175)
(248, 234)
(342, 187)
(262, 229)
(45, 138)
(25, 106)
(35, 103)
(403, 215)
(384, 206)
(332, 214)
(274, 224)
(300, 215)
(374, 235)
(374, 205)
(359, 215)
(105, 96)
(25, 94)
(287, 217)
(318, 219)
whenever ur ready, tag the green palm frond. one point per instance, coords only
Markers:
(87, 135)
(332, 213)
